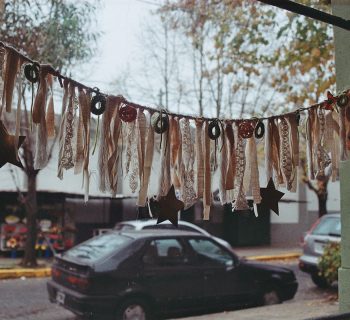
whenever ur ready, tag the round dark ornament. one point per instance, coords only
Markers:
(160, 123)
(343, 100)
(214, 130)
(127, 113)
(259, 130)
(31, 72)
(246, 129)
(98, 104)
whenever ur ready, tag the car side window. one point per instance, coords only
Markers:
(208, 252)
(164, 252)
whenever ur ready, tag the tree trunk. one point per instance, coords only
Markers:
(322, 203)
(29, 259)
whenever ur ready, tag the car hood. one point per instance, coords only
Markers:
(265, 267)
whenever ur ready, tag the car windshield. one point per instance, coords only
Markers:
(98, 247)
(328, 227)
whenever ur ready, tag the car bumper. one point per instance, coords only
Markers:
(288, 290)
(308, 264)
(81, 304)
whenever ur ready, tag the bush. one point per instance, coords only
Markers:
(330, 262)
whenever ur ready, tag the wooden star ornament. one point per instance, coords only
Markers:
(169, 206)
(7, 147)
(270, 196)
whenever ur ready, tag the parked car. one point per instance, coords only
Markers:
(145, 275)
(326, 229)
(152, 224)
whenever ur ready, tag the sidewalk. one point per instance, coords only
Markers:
(9, 267)
(300, 310)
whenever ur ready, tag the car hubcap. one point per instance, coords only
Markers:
(134, 312)
(271, 298)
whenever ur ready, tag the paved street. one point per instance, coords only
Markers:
(27, 300)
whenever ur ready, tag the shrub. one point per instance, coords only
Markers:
(330, 262)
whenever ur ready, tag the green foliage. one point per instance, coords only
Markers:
(330, 262)
(57, 32)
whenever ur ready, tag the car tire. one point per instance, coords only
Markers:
(319, 281)
(134, 309)
(271, 297)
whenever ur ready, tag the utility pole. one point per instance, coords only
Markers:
(341, 8)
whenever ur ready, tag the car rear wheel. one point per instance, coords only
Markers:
(271, 297)
(133, 309)
(319, 281)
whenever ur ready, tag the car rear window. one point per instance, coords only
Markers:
(99, 247)
(328, 227)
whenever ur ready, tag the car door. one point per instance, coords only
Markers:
(223, 280)
(168, 277)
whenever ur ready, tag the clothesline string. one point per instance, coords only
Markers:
(78, 84)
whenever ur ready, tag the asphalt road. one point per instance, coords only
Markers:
(26, 299)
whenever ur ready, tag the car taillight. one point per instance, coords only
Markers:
(82, 283)
(55, 273)
(303, 242)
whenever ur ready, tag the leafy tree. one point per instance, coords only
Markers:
(57, 32)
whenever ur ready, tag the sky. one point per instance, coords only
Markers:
(121, 22)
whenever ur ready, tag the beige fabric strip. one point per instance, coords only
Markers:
(50, 113)
(147, 167)
(268, 150)
(18, 116)
(294, 136)
(104, 150)
(188, 193)
(62, 129)
(199, 158)
(207, 196)
(240, 200)
(67, 158)
(251, 176)
(165, 175)
(175, 142)
(309, 140)
(286, 153)
(223, 167)
(12, 65)
(231, 154)
(142, 127)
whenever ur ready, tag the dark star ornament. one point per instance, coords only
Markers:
(7, 147)
(169, 206)
(270, 196)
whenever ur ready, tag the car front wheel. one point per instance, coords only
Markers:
(133, 309)
(319, 281)
(271, 297)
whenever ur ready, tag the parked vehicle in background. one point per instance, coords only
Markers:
(149, 224)
(326, 229)
(145, 274)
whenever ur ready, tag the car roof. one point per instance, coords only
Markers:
(139, 224)
(137, 234)
(331, 215)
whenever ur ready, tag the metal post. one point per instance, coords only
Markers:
(342, 48)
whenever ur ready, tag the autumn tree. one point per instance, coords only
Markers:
(57, 32)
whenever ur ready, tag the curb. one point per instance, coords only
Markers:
(28, 273)
(285, 256)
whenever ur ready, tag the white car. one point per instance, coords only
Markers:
(152, 224)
